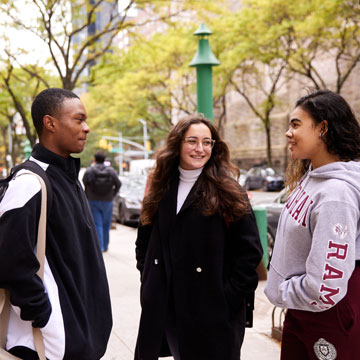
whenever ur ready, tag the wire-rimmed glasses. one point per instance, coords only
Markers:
(193, 142)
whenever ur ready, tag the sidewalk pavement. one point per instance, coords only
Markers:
(124, 281)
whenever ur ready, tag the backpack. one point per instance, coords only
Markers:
(103, 182)
(33, 167)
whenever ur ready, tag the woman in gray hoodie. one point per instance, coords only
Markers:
(313, 271)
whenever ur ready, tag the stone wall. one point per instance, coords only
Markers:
(245, 134)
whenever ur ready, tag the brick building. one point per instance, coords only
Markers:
(245, 133)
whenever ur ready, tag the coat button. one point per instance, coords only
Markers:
(198, 269)
(156, 261)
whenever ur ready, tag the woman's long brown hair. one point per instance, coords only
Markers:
(220, 192)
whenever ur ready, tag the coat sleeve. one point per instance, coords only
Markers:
(19, 217)
(244, 253)
(141, 245)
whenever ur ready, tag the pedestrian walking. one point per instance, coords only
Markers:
(197, 250)
(314, 271)
(101, 185)
(72, 305)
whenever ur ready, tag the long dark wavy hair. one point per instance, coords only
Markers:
(342, 137)
(220, 192)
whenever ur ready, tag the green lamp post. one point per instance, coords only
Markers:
(27, 149)
(204, 60)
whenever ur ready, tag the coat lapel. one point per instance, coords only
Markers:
(193, 195)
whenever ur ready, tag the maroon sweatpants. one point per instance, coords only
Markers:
(328, 335)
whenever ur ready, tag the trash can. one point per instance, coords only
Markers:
(261, 221)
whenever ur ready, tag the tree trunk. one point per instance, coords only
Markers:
(21, 111)
(268, 142)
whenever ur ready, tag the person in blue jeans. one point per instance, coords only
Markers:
(101, 185)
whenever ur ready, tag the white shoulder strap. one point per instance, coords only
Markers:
(40, 254)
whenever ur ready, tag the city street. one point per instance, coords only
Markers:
(260, 197)
(124, 287)
(271, 86)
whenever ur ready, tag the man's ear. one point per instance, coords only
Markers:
(49, 123)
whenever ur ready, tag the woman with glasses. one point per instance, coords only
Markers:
(314, 270)
(197, 250)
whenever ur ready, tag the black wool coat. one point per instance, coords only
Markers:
(207, 268)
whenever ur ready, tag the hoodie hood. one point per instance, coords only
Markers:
(345, 171)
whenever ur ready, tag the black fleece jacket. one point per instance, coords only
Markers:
(80, 304)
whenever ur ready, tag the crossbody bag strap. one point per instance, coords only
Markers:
(40, 254)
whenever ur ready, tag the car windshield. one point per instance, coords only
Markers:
(270, 172)
(134, 185)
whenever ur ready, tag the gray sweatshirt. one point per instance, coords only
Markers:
(317, 240)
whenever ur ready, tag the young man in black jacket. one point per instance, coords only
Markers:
(72, 305)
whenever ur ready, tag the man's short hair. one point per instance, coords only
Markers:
(100, 157)
(48, 102)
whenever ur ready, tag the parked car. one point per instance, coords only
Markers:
(242, 177)
(263, 178)
(127, 202)
(273, 211)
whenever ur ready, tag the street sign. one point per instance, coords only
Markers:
(117, 150)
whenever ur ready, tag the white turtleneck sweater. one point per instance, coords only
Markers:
(187, 181)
